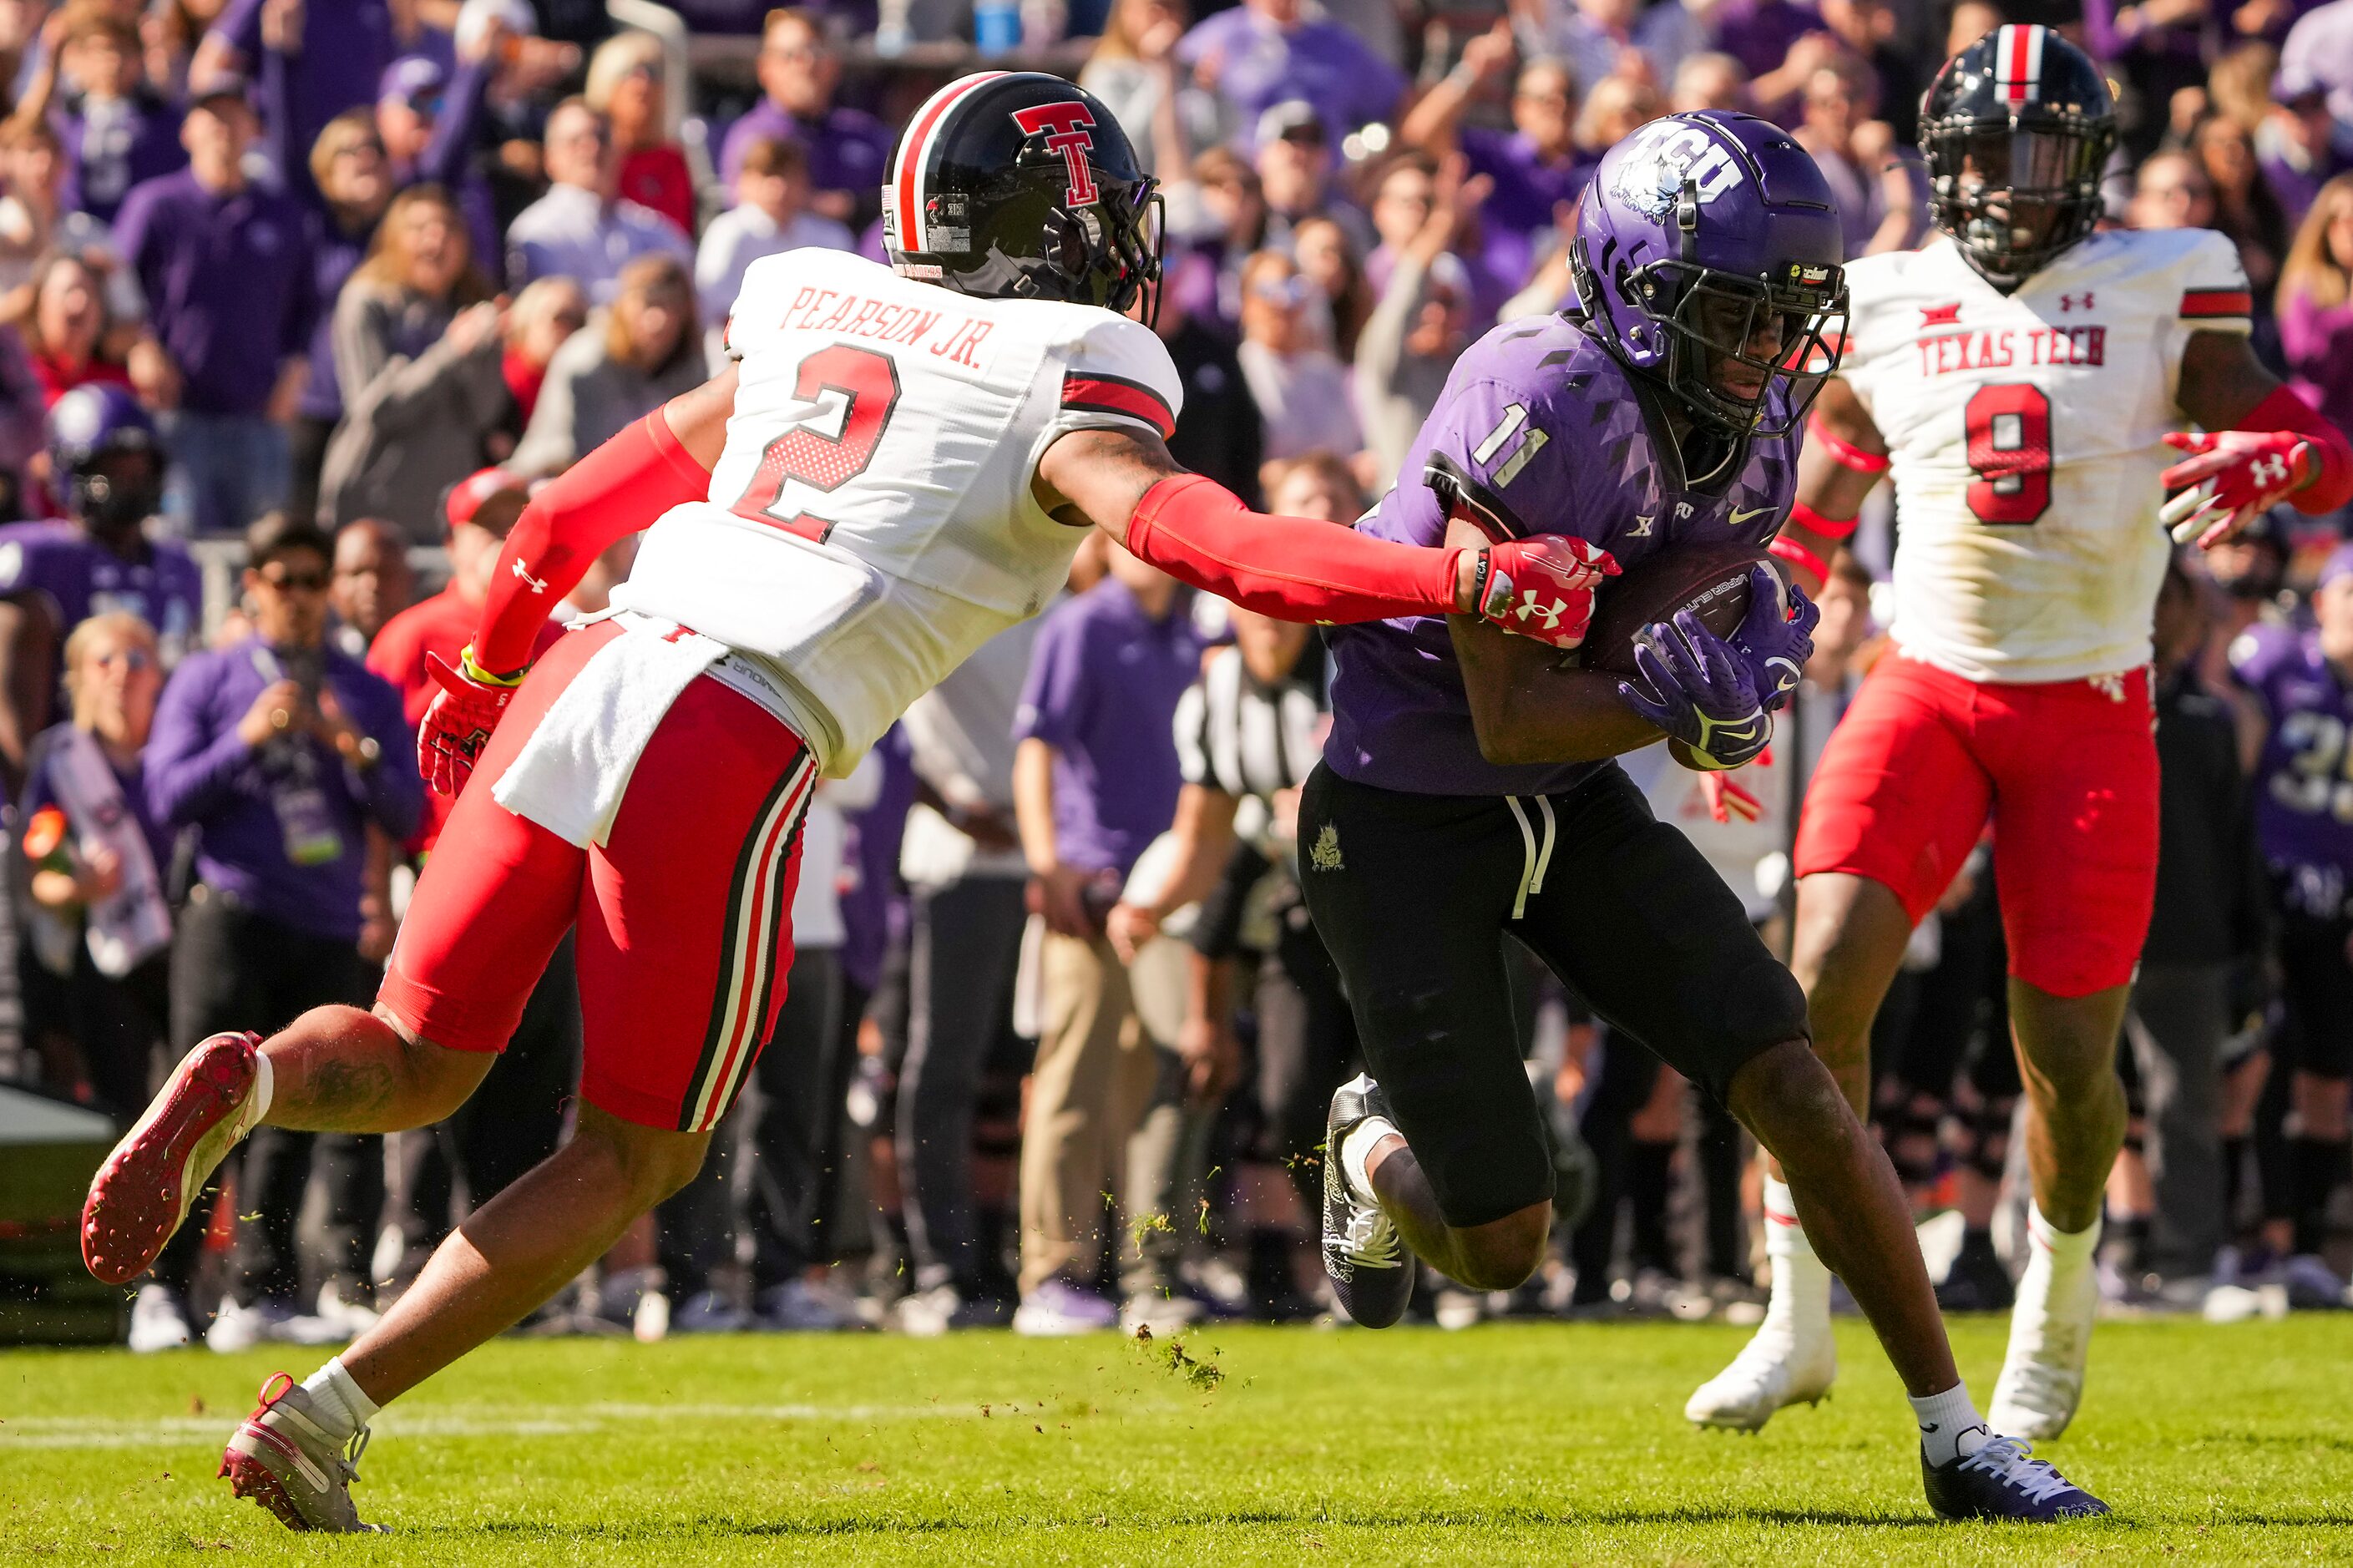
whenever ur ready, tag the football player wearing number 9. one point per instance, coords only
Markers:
(2024, 377)
(1469, 789)
(906, 460)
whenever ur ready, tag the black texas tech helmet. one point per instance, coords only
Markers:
(2017, 129)
(1021, 185)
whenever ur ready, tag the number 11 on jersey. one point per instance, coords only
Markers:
(869, 383)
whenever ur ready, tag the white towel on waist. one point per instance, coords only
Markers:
(570, 775)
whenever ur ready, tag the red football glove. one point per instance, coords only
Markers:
(458, 725)
(2233, 478)
(1542, 587)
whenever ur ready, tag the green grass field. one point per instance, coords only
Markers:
(1504, 1444)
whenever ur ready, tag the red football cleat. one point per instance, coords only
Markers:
(144, 1192)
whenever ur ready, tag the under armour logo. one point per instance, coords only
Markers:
(1643, 527)
(530, 581)
(1071, 129)
(2067, 301)
(2268, 470)
(1940, 315)
(1529, 608)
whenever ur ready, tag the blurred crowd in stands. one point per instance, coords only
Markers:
(316, 289)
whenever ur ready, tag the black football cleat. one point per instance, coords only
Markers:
(2003, 1479)
(1369, 1266)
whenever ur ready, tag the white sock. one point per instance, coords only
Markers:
(1357, 1147)
(2070, 1251)
(1801, 1281)
(1950, 1426)
(265, 1086)
(337, 1400)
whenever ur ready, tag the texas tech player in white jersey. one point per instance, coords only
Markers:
(2026, 433)
(2026, 378)
(871, 519)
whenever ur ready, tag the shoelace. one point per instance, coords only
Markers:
(1370, 1238)
(357, 1446)
(2011, 1461)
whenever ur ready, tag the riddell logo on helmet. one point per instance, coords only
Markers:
(1070, 131)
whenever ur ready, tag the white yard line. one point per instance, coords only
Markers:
(470, 1421)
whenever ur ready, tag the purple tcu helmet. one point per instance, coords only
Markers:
(1702, 236)
(106, 460)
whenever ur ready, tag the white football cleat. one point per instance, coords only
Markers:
(2050, 1345)
(157, 1323)
(1788, 1363)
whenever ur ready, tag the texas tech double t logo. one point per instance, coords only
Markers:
(1070, 131)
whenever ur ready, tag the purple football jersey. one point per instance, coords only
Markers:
(81, 578)
(2304, 795)
(1538, 431)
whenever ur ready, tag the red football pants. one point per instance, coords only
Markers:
(2066, 769)
(684, 914)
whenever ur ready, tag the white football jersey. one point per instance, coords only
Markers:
(870, 521)
(2024, 432)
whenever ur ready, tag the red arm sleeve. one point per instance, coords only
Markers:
(1293, 568)
(2332, 482)
(611, 493)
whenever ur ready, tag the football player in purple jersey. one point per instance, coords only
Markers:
(2302, 682)
(1468, 789)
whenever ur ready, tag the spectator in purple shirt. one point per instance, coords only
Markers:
(1095, 779)
(116, 131)
(849, 152)
(279, 753)
(1267, 52)
(225, 266)
(1760, 35)
(1536, 164)
(1535, 168)
(310, 60)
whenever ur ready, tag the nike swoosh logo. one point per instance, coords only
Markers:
(1739, 516)
(1932, 1426)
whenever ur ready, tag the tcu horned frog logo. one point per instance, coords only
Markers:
(1665, 158)
(1069, 129)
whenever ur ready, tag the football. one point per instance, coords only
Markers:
(1709, 580)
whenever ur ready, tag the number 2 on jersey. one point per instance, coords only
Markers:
(869, 383)
(2009, 451)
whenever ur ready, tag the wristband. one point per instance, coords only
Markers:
(1831, 528)
(475, 673)
(1797, 554)
(1845, 453)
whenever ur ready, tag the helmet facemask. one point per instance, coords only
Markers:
(115, 491)
(1109, 251)
(1708, 321)
(1732, 340)
(2014, 197)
